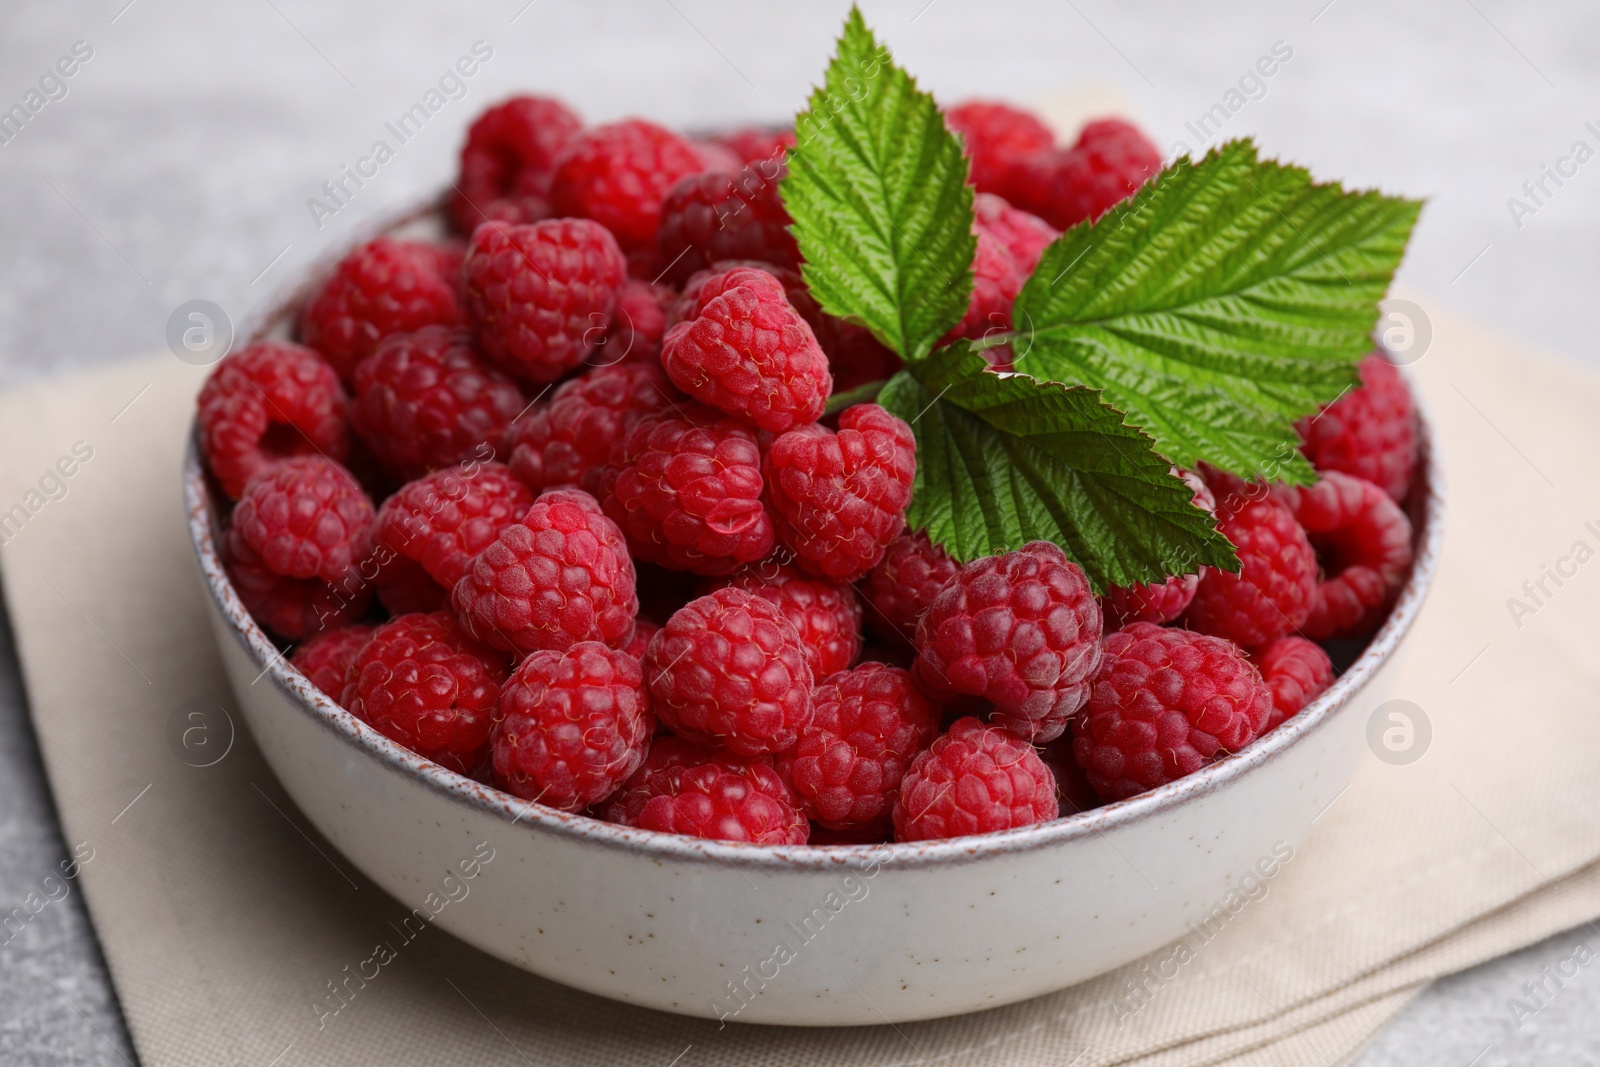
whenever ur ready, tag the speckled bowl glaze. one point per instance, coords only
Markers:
(818, 936)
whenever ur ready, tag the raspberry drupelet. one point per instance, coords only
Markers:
(1297, 671)
(564, 440)
(1370, 432)
(974, 779)
(826, 614)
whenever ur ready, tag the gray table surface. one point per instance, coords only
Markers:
(179, 164)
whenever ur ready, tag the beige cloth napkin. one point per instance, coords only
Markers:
(223, 914)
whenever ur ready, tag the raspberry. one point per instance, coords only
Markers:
(728, 671)
(996, 136)
(381, 288)
(840, 498)
(637, 326)
(643, 631)
(571, 726)
(619, 174)
(710, 795)
(305, 517)
(265, 402)
(1166, 702)
(1370, 432)
(542, 295)
(749, 353)
(714, 215)
(423, 401)
(1297, 671)
(706, 285)
(1273, 592)
(324, 656)
(292, 608)
(996, 282)
(563, 441)
(1107, 165)
(752, 145)
(1023, 235)
(559, 576)
(975, 779)
(868, 725)
(510, 154)
(856, 357)
(685, 487)
(827, 615)
(1074, 794)
(434, 526)
(423, 683)
(1021, 630)
(1363, 543)
(1163, 601)
(714, 155)
(903, 584)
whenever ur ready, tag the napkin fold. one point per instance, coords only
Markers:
(224, 916)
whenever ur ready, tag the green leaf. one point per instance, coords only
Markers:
(877, 188)
(1004, 460)
(1223, 301)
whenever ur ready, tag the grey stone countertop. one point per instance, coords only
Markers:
(179, 162)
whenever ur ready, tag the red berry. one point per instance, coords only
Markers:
(728, 671)
(381, 288)
(1166, 702)
(292, 608)
(855, 357)
(975, 779)
(1023, 235)
(868, 724)
(1074, 794)
(996, 282)
(1163, 601)
(997, 136)
(827, 614)
(638, 325)
(753, 144)
(681, 790)
(1020, 630)
(559, 576)
(305, 517)
(571, 726)
(685, 487)
(324, 656)
(563, 441)
(715, 215)
(900, 588)
(1370, 432)
(1297, 671)
(423, 683)
(643, 631)
(1363, 544)
(619, 174)
(510, 154)
(840, 498)
(706, 285)
(666, 754)
(423, 400)
(1107, 165)
(542, 295)
(266, 402)
(1277, 582)
(404, 587)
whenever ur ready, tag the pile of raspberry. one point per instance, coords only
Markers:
(556, 503)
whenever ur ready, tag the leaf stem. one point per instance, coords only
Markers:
(861, 394)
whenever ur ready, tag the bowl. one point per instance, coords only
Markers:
(815, 935)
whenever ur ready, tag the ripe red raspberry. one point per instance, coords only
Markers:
(562, 442)
(1074, 794)
(715, 215)
(510, 153)
(434, 526)
(1363, 544)
(900, 588)
(975, 779)
(1273, 592)
(1024, 235)
(559, 576)
(570, 727)
(1166, 702)
(1370, 432)
(542, 295)
(1297, 671)
(381, 288)
(291, 608)
(749, 353)
(869, 723)
(682, 790)
(826, 614)
(996, 136)
(728, 671)
(706, 285)
(855, 357)
(1107, 165)
(425, 684)
(305, 517)
(265, 402)
(752, 144)
(619, 174)
(324, 657)
(643, 631)
(424, 400)
(637, 326)
(840, 498)
(996, 282)
(685, 486)
(1021, 630)
(1159, 602)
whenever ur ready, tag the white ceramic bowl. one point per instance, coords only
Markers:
(823, 936)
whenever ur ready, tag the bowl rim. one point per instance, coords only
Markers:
(274, 665)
